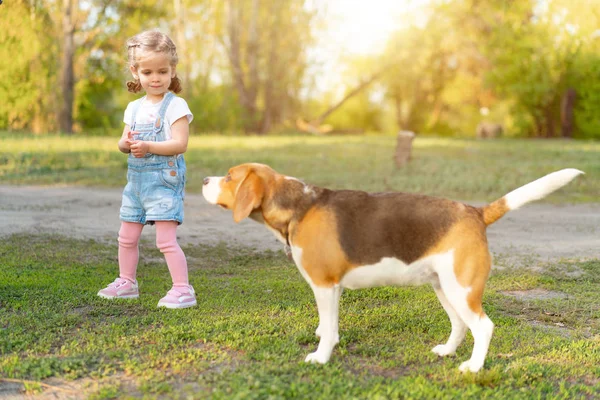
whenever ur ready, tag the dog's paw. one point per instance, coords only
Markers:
(469, 366)
(443, 350)
(316, 358)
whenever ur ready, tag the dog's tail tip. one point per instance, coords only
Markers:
(574, 171)
(532, 191)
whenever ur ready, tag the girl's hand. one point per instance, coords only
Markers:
(126, 140)
(139, 148)
(130, 139)
(125, 143)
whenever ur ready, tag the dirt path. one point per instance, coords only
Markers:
(538, 232)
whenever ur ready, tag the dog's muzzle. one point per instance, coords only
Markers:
(211, 188)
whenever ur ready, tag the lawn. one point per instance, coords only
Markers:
(256, 316)
(456, 168)
(255, 324)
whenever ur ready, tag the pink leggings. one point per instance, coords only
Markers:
(166, 241)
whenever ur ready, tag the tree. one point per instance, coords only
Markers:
(535, 50)
(423, 66)
(265, 43)
(27, 59)
(67, 75)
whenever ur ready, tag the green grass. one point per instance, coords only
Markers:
(456, 168)
(255, 323)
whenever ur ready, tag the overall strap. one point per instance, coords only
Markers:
(166, 101)
(159, 123)
(136, 107)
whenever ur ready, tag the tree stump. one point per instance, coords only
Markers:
(403, 148)
(488, 130)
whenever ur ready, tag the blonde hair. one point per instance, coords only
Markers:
(157, 42)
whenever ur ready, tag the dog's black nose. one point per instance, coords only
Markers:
(206, 180)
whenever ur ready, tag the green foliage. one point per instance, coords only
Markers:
(515, 61)
(216, 109)
(27, 62)
(536, 53)
(359, 111)
(587, 102)
(96, 108)
(420, 71)
(450, 65)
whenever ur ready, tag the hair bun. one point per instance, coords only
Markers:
(134, 86)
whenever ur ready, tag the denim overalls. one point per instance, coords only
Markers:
(155, 183)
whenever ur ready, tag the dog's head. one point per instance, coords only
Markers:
(242, 190)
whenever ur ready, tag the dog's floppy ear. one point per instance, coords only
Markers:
(248, 197)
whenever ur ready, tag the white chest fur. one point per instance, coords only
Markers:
(297, 257)
(387, 272)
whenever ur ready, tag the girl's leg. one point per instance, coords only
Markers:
(129, 237)
(182, 294)
(166, 241)
(125, 286)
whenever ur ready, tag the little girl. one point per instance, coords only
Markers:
(155, 136)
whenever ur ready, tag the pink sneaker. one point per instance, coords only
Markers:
(179, 298)
(120, 289)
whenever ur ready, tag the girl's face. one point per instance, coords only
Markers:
(155, 72)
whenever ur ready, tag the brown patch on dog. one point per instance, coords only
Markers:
(339, 230)
(243, 189)
(257, 191)
(278, 220)
(322, 256)
(472, 261)
(494, 211)
(229, 186)
(400, 225)
(248, 197)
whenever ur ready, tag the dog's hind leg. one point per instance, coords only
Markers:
(462, 282)
(459, 328)
(482, 328)
(328, 302)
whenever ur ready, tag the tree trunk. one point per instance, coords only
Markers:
(246, 91)
(182, 49)
(406, 121)
(566, 113)
(67, 75)
(363, 85)
(550, 131)
(272, 70)
(315, 125)
(233, 52)
(37, 124)
(252, 56)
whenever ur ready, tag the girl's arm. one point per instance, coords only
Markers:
(180, 131)
(125, 140)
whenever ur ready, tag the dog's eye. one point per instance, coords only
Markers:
(228, 178)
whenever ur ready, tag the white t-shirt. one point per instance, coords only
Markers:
(147, 113)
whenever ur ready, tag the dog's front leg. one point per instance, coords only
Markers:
(319, 329)
(328, 302)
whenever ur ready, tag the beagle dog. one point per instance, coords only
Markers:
(352, 239)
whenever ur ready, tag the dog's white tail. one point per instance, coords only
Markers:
(532, 191)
